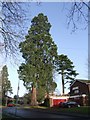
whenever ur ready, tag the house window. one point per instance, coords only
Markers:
(75, 88)
(76, 91)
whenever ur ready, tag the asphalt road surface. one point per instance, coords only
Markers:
(31, 113)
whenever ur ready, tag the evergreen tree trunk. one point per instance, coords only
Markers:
(33, 97)
(62, 83)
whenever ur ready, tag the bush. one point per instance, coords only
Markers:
(47, 102)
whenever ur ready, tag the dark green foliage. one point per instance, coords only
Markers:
(65, 67)
(40, 94)
(46, 102)
(27, 98)
(39, 52)
(6, 84)
(15, 99)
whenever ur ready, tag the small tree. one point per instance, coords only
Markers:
(16, 98)
(6, 84)
(65, 67)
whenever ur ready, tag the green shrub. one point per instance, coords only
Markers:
(46, 102)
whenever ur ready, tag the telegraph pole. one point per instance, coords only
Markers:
(17, 97)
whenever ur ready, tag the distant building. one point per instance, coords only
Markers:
(80, 92)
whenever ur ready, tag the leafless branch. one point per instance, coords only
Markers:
(12, 26)
(78, 14)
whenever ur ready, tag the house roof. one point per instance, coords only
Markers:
(85, 81)
(82, 81)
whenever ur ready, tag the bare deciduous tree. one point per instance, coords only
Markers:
(78, 14)
(12, 20)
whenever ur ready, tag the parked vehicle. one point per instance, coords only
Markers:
(10, 105)
(69, 104)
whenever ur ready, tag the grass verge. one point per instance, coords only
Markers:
(78, 110)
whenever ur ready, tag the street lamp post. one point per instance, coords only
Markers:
(17, 97)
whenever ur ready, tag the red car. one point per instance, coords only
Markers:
(10, 105)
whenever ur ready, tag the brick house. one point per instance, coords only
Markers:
(80, 92)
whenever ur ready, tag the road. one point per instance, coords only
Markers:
(31, 113)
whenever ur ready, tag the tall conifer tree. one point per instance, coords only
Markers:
(65, 67)
(6, 84)
(39, 52)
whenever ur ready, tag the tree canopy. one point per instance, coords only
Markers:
(65, 67)
(39, 52)
(6, 84)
